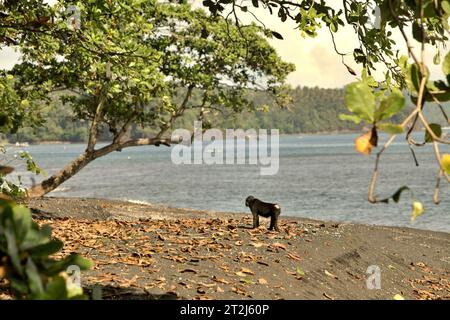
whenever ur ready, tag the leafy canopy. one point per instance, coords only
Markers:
(129, 57)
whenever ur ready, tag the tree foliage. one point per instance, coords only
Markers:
(311, 110)
(126, 62)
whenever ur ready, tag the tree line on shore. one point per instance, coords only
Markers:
(311, 110)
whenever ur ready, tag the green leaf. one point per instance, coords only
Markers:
(411, 72)
(390, 128)
(277, 35)
(360, 100)
(446, 64)
(417, 32)
(34, 238)
(73, 259)
(13, 250)
(19, 285)
(34, 279)
(46, 249)
(439, 89)
(299, 271)
(350, 117)
(22, 222)
(398, 193)
(413, 78)
(56, 289)
(445, 4)
(437, 58)
(390, 105)
(333, 27)
(437, 130)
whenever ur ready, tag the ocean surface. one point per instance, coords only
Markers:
(319, 177)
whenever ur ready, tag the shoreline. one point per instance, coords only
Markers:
(317, 133)
(58, 142)
(181, 212)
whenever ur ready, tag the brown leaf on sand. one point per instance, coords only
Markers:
(220, 280)
(293, 256)
(160, 237)
(331, 274)
(278, 245)
(188, 270)
(246, 270)
(238, 291)
(420, 264)
(328, 296)
(262, 281)
(207, 285)
(257, 244)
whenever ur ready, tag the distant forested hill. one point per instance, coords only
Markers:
(312, 110)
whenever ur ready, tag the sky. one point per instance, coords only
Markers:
(316, 62)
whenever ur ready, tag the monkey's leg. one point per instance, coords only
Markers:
(275, 217)
(255, 220)
(273, 220)
(276, 224)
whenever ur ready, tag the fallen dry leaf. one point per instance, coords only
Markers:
(331, 274)
(328, 296)
(239, 291)
(279, 245)
(246, 270)
(188, 270)
(262, 281)
(257, 244)
(221, 280)
(293, 256)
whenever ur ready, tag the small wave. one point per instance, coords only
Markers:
(62, 189)
(138, 202)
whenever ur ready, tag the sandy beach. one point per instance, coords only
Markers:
(146, 251)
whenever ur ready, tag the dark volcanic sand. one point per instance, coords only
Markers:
(154, 251)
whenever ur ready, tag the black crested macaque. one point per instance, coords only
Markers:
(264, 209)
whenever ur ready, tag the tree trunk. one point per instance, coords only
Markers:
(60, 177)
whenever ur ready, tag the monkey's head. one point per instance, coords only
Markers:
(249, 200)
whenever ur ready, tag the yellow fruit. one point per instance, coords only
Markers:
(446, 163)
(417, 210)
(363, 144)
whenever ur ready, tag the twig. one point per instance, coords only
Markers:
(436, 199)
(371, 197)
